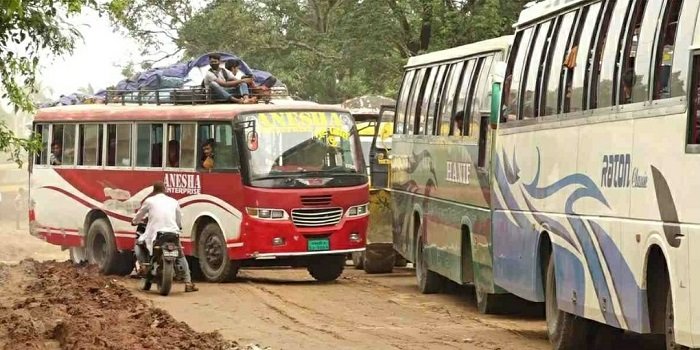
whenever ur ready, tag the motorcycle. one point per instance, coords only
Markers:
(162, 265)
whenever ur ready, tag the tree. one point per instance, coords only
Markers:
(28, 30)
(324, 50)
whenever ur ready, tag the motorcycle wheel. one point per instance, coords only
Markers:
(166, 279)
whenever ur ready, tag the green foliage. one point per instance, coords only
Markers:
(29, 29)
(324, 50)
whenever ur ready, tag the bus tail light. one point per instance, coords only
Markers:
(267, 214)
(358, 210)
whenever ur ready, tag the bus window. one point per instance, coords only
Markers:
(560, 41)
(42, 130)
(62, 144)
(580, 55)
(609, 44)
(180, 146)
(447, 109)
(418, 117)
(90, 144)
(119, 145)
(433, 104)
(483, 102)
(511, 85)
(149, 145)
(402, 103)
(421, 125)
(413, 101)
(664, 63)
(634, 85)
(694, 110)
(464, 90)
(531, 70)
(217, 147)
(471, 109)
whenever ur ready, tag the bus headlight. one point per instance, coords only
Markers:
(358, 210)
(267, 214)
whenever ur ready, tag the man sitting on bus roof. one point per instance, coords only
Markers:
(218, 79)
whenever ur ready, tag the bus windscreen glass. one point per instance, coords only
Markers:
(305, 143)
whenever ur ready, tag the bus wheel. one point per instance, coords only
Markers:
(566, 331)
(326, 268)
(78, 255)
(429, 282)
(102, 249)
(358, 260)
(379, 260)
(213, 255)
(399, 261)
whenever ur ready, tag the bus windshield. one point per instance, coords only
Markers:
(305, 144)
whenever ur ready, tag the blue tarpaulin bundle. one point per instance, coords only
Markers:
(163, 78)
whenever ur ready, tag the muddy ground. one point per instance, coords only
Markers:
(50, 305)
(53, 305)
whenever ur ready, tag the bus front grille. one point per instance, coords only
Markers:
(316, 217)
(316, 200)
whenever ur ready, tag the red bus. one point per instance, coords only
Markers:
(284, 184)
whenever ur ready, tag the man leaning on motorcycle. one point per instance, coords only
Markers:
(164, 215)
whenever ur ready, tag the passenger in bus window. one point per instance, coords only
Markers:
(208, 155)
(458, 124)
(55, 157)
(173, 154)
(217, 78)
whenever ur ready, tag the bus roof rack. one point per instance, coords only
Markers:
(185, 96)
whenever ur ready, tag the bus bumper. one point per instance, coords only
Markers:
(269, 239)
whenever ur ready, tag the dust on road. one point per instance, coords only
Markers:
(285, 309)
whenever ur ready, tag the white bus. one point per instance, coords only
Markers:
(595, 200)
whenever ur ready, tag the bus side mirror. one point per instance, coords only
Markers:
(252, 140)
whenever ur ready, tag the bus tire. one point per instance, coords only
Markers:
(429, 282)
(213, 255)
(78, 255)
(126, 264)
(566, 331)
(326, 268)
(399, 261)
(358, 260)
(102, 248)
(379, 261)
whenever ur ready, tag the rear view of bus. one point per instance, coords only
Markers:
(306, 191)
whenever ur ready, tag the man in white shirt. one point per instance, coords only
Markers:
(164, 215)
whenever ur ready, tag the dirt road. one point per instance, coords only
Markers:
(278, 308)
(285, 309)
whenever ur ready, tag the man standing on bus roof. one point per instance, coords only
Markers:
(217, 78)
(164, 215)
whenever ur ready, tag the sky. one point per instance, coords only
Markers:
(97, 59)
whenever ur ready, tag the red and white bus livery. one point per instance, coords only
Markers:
(259, 185)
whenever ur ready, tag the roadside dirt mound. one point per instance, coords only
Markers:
(50, 305)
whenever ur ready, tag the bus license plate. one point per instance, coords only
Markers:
(318, 244)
